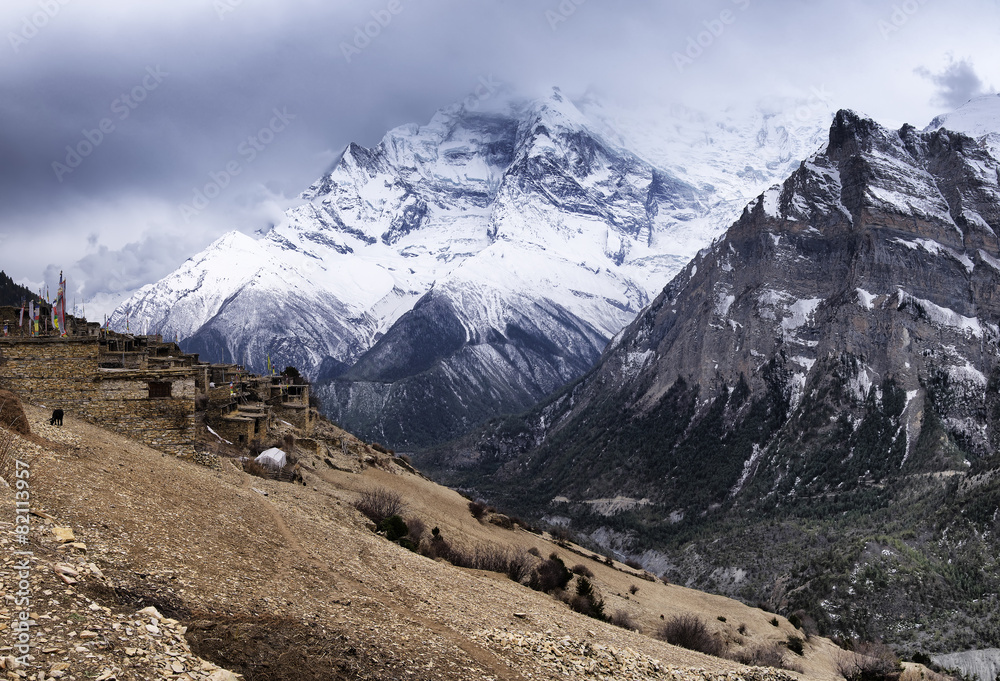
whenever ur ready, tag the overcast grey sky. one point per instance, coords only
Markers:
(113, 113)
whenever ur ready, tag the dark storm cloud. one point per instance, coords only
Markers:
(956, 84)
(115, 116)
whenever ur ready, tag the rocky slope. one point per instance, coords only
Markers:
(143, 566)
(831, 365)
(491, 253)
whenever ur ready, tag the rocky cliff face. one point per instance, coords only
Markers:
(835, 352)
(983, 665)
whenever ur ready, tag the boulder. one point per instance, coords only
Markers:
(12, 416)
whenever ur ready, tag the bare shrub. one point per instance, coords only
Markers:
(519, 565)
(623, 619)
(634, 564)
(477, 509)
(560, 533)
(688, 631)
(417, 530)
(502, 521)
(763, 655)
(379, 503)
(633, 589)
(12, 416)
(550, 575)
(869, 662)
(581, 569)
(515, 563)
(253, 468)
(795, 644)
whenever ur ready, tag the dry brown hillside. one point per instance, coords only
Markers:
(276, 580)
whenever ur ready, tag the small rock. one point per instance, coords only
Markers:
(223, 675)
(151, 612)
(63, 569)
(63, 534)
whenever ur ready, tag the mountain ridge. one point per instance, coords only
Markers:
(835, 350)
(545, 235)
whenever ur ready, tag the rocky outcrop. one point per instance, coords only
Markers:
(974, 664)
(839, 344)
(12, 414)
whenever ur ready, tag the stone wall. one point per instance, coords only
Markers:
(237, 430)
(164, 423)
(64, 373)
(296, 414)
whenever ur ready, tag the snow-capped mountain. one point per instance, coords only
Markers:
(822, 377)
(529, 232)
(978, 118)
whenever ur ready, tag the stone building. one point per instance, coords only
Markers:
(147, 389)
(119, 390)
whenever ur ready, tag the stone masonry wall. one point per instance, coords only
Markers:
(64, 373)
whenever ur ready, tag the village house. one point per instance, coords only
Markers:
(145, 388)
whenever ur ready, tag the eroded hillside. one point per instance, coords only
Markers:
(284, 581)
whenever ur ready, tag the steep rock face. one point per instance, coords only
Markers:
(530, 224)
(983, 665)
(837, 347)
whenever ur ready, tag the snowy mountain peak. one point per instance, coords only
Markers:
(540, 225)
(978, 118)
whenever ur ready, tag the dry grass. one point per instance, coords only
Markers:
(6, 455)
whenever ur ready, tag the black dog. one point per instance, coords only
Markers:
(57, 416)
